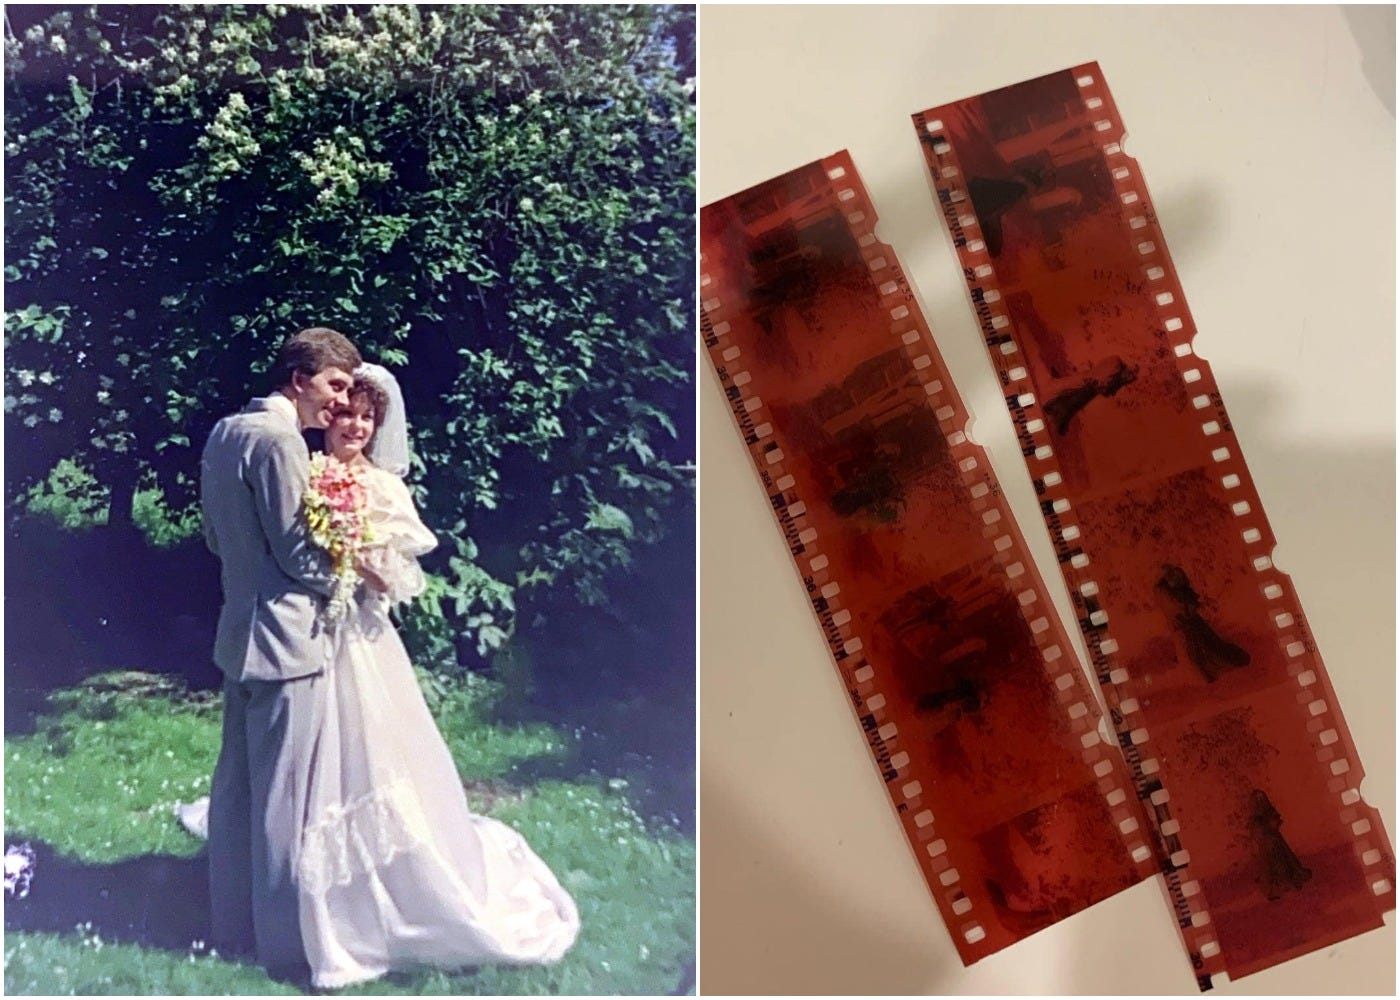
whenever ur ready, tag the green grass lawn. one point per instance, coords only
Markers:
(97, 779)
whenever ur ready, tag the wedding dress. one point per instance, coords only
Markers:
(395, 871)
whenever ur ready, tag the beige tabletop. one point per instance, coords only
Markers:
(1267, 139)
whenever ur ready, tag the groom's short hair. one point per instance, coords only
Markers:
(312, 351)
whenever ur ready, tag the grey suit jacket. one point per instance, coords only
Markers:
(275, 579)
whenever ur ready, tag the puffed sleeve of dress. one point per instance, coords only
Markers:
(399, 537)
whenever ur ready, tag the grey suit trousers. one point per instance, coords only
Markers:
(256, 812)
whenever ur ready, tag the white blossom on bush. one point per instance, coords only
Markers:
(338, 165)
(229, 138)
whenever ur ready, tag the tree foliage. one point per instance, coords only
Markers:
(496, 202)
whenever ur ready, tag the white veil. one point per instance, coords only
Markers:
(388, 449)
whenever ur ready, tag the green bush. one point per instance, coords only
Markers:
(70, 496)
(495, 201)
(162, 524)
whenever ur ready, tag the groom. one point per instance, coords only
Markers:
(271, 644)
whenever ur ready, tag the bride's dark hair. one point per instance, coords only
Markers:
(377, 398)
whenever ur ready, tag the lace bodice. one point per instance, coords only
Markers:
(400, 537)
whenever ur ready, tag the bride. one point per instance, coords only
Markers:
(394, 870)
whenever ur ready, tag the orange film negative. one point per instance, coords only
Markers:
(1223, 709)
(977, 713)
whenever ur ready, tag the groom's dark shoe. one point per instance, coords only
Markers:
(234, 948)
(296, 975)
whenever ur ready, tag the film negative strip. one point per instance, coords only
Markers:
(976, 711)
(1222, 706)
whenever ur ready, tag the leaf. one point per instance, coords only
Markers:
(490, 638)
(82, 103)
(535, 577)
(606, 517)
(659, 415)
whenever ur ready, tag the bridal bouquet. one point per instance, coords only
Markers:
(336, 506)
